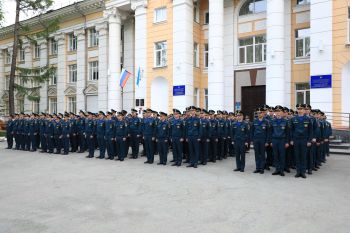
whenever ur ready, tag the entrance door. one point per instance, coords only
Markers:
(252, 98)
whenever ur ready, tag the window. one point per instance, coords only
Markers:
(72, 42)
(196, 97)
(7, 82)
(302, 93)
(159, 15)
(140, 102)
(93, 71)
(253, 7)
(206, 18)
(252, 50)
(35, 106)
(302, 43)
(22, 55)
(36, 51)
(160, 54)
(196, 11)
(196, 55)
(302, 2)
(72, 104)
(8, 57)
(6, 108)
(52, 105)
(206, 100)
(206, 55)
(93, 37)
(72, 69)
(53, 46)
(20, 105)
(53, 79)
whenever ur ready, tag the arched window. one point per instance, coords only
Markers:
(253, 7)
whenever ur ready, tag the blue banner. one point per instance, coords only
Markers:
(179, 90)
(321, 81)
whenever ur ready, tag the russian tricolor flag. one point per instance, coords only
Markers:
(124, 76)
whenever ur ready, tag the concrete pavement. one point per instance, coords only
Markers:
(56, 193)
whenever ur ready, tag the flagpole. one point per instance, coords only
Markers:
(122, 99)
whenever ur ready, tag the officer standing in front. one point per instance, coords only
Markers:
(240, 136)
(193, 136)
(9, 132)
(177, 133)
(135, 133)
(162, 136)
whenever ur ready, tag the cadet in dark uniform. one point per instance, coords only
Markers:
(204, 144)
(33, 132)
(100, 133)
(177, 134)
(58, 135)
(121, 133)
(279, 140)
(240, 136)
(110, 136)
(301, 135)
(49, 134)
(193, 137)
(162, 136)
(259, 135)
(90, 129)
(213, 135)
(66, 130)
(9, 132)
(135, 133)
(42, 131)
(149, 131)
(81, 131)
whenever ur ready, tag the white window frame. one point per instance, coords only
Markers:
(7, 83)
(196, 97)
(52, 105)
(73, 42)
(22, 55)
(35, 106)
(263, 51)
(53, 46)
(93, 37)
(36, 51)
(206, 19)
(72, 73)
(93, 71)
(196, 11)
(195, 54)
(303, 91)
(303, 39)
(20, 105)
(8, 56)
(163, 54)
(160, 14)
(53, 79)
(206, 56)
(206, 98)
(72, 104)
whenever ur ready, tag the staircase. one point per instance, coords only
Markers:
(337, 146)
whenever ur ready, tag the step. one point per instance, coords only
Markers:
(339, 152)
(340, 146)
(335, 141)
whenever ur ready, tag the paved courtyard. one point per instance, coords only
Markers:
(56, 193)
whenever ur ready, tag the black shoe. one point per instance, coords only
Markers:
(172, 161)
(173, 165)
(190, 165)
(256, 171)
(88, 156)
(317, 167)
(262, 172)
(241, 170)
(121, 160)
(275, 173)
(282, 174)
(297, 175)
(179, 165)
(314, 169)
(309, 172)
(65, 153)
(287, 170)
(236, 170)
(267, 168)
(146, 162)
(195, 166)
(57, 153)
(303, 176)
(159, 163)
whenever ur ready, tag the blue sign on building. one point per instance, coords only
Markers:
(321, 81)
(179, 90)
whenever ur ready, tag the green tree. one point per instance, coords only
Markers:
(36, 74)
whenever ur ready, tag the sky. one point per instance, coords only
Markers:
(9, 7)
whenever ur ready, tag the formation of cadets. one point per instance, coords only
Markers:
(282, 138)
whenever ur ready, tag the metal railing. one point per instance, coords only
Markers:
(339, 119)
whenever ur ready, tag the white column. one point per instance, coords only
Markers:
(183, 51)
(216, 90)
(102, 29)
(321, 51)
(28, 64)
(43, 90)
(81, 67)
(61, 71)
(228, 55)
(128, 63)
(275, 83)
(2, 75)
(114, 40)
(141, 48)
(288, 52)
